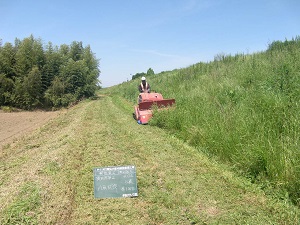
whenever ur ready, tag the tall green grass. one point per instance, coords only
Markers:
(243, 109)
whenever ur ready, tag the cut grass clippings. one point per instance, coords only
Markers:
(177, 184)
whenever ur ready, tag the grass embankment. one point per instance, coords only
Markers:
(47, 177)
(242, 109)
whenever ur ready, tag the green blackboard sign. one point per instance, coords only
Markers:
(115, 182)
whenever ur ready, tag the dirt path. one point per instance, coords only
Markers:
(15, 125)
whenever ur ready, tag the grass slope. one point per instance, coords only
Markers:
(47, 178)
(242, 109)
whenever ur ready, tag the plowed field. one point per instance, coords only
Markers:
(16, 124)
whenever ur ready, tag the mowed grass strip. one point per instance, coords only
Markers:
(177, 184)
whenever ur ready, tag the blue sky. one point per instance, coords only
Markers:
(131, 36)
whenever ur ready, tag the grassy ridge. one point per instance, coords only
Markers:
(46, 178)
(244, 109)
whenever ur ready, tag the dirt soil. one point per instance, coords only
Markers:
(14, 125)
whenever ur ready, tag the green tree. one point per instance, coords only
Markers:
(76, 51)
(28, 91)
(64, 52)
(32, 77)
(91, 79)
(29, 54)
(150, 72)
(7, 60)
(55, 92)
(6, 88)
(53, 61)
(73, 75)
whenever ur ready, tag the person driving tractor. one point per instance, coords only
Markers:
(144, 87)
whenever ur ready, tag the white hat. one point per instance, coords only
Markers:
(143, 78)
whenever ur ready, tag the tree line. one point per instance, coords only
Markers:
(36, 76)
(150, 72)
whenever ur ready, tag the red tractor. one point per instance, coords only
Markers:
(146, 103)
